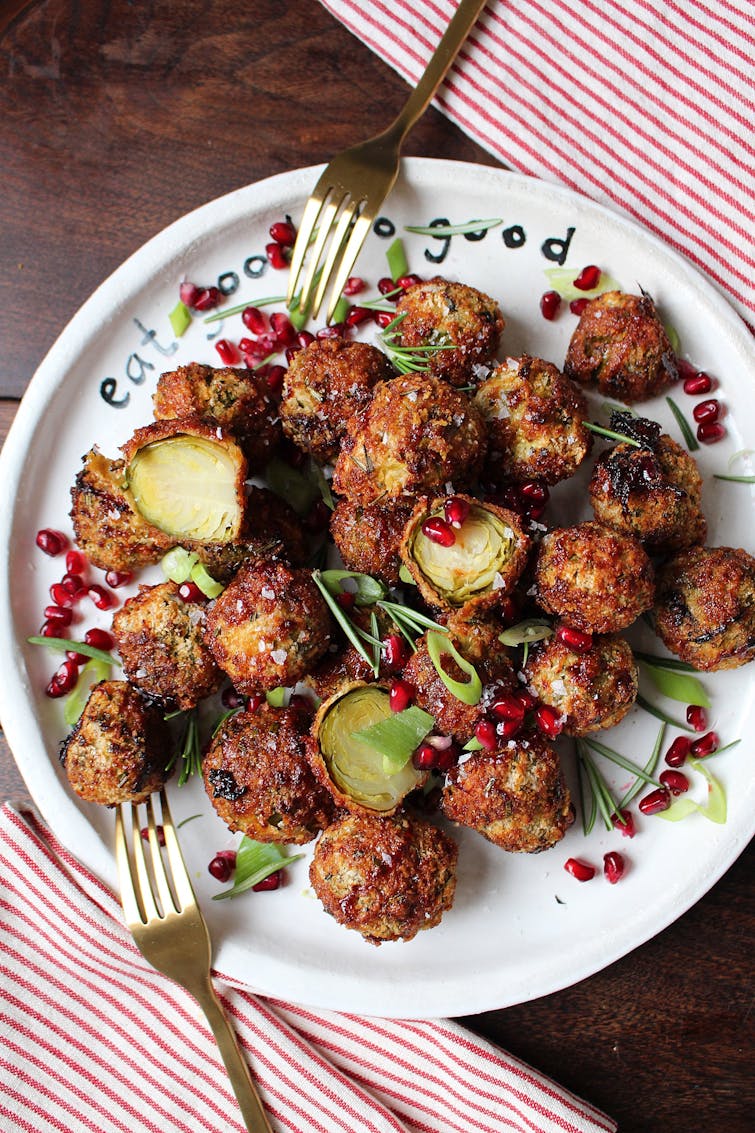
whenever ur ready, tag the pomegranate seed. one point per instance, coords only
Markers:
(386, 285)
(574, 639)
(76, 657)
(456, 511)
(697, 718)
(221, 867)
(550, 302)
(577, 306)
(685, 368)
(260, 347)
(207, 299)
(425, 757)
(283, 329)
(276, 255)
(188, 293)
(301, 703)
(410, 280)
(354, 285)
(508, 707)
(534, 511)
(709, 410)
(706, 745)
(588, 279)
(446, 757)
(283, 232)
(190, 592)
(232, 699)
(291, 352)
(229, 354)
(74, 584)
(534, 492)
(624, 823)
(159, 832)
(254, 320)
(583, 871)
(357, 315)
(395, 651)
(116, 578)
(383, 318)
(255, 701)
(102, 598)
(655, 802)
(50, 629)
(438, 531)
(63, 680)
(485, 734)
(401, 695)
(346, 600)
(678, 752)
(710, 432)
(275, 377)
(335, 330)
(63, 615)
(99, 639)
(613, 866)
(526, 699)
(549, 721)
(305, 338)
(51, 542)
(698, 383)
(674, 781)
(507, 729)
(61, 595)
(76, 563)
(274, 881)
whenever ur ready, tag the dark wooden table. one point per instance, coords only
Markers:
(115, 119)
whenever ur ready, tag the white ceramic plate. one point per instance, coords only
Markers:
(521, 927)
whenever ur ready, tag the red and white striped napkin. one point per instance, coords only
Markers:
(93, 1040)
(647, 106)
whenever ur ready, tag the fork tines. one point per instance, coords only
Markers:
(154, 881)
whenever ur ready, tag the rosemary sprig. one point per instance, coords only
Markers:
(735, 479)
(649, 768)
(407, 618)
(63, 644)
(409, 359)
(601, 432)
(620, 760)
(454, 229)
(661, 715)
(664, 662)
(683, 423)
(226, 312)
(355, 635)
(190, 751)
(601, 794)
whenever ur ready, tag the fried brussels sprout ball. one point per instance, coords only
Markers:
(259, 781)
(386, 878)
(705, 607)
(621, 346)
(238, 400)
(465, 322)
(268, 627)
(357, 774)
(270, 529)
(416, 434)
(109, 529)
(535, 418)
(470, 565)
(592, 689)
(368, 536)
(325, 384)
(119, 749)
(161, 643)
(651, 493)
(515, 796)
(597, 579)
(187, 478)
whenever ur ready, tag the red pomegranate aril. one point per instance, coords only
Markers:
(383, 318)
(51, 542)
(588, 279)
(656, 801)
(711, 432)
(386, 285)
(61, 595)
(526, 699)
(614, 866)
(99, 639)
(709, 410)
(401, 695)
(697, 717)
(283, 232)
(395, 651)
(50, 629)
(276, 255)
(230, 698)
(674, 781)
(221, 867)
(410, 280)
(438, 531)
(549, 721)
(534, 511)
(456, 511)
(63, 680)
(346, 600)
(574, 639)
(354, 285)
(63, 615)
(624, 823)
(305, 338)
(335, 330)
(706, 745)
(577, 306)
(116, 578)
(291, 353)
(268, 884)
(550, 301)
(190, 592)
(698, 383)
(447, 757)
(507, 707)
(508, 729)
(275, 377)
(255, 701)
(76, 657)
(678, 752)
(74, 584)
(283, 329)
(159, 832)
(76, 563)
(255, 320)
(534, 492)
(582, 871)
(355, 316)
(228, 352)
(102, 598)
(425, 757)
(207, 299)
(486, 734)
(188, 293)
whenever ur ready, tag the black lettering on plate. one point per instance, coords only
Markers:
(228, 282)
(384, 227)
(438, 258)
(514, 236)
(555, 249)
(254, 266)
(108, 387)
(136, 368)
(150, 338)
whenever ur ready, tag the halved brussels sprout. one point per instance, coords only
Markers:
(352, 769)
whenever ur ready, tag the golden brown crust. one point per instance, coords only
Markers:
(416, 434)
(160, 640)
(270, 529)
(325, 384)
(368, 536)
(515, 797)
(705, 607)
(119, 748)
(621, 346)
(258, 779)
(597, 579)
(268, 627)
(452, 314)
(386, 878)
(535, 418)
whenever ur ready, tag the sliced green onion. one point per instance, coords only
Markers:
(677, 686)
(738, 455)
(276, 697)
(348, 628)
(715, 808)
(526, 632)
(63, 644)
(473, 745)
(397, 736)
(201, 577)
(241, 307)
(340, 310)
(562, 281)
(661, 715)
(324, 486)
(683, 423)
(254, 862)
(620, 760)
(180, 318)
(649, 768)
(93, 672)
(405, 575)
(601, 432)
(454, 229)
(368, 590)
(398, 265)
(469, 691)
(178, 563)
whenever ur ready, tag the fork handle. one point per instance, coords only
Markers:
(441, 59)
(235, 1063)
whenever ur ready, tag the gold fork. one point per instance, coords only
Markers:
(169, 930)
(348, 195)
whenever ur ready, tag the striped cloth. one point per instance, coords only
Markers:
(92, 1040)
(647, 106)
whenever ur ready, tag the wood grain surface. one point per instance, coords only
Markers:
(115, 119)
